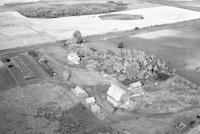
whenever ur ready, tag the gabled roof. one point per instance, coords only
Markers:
(115, 92)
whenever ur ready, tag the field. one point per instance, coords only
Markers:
(179, 46)
(169, 103)
(35, 31)
(187, 4)
(13, 6)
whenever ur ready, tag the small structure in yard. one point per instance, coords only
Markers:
(73, 58)
(95, 108)
(135, 85)
(91, 100)
(80, 92)
(135, 89)
(116, 95)
(66, 75)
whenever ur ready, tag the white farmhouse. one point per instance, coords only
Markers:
(73, 58)
(115, 95)
(80, 92)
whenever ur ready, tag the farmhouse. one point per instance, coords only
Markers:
(115, 95)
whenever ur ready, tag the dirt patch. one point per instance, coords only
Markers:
(158, 34)
(121, 17)
(80, 120)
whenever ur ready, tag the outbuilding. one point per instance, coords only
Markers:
(80, 92)
(135, 89)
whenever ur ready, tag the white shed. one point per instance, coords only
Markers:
(80, 92)
(90, 100)
(135, 89)
(135, 85)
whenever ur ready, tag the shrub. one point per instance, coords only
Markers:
(78, 37)
(136, 28)
(120, 45)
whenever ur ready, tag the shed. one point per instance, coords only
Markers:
(135, 89)
(90, 100)
(135, 85)
(80, 92)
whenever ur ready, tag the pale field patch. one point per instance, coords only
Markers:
(92, 24)
(158, 34)
(3, 2)
(16, 31)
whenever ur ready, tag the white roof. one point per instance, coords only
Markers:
(95, 108)
(78, 91)
(135, 85)
(115, 92)
(90, 100)
(114, 103)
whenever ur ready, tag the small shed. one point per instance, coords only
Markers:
(80, 92)
(135, 89)
(135, 85)
(95, 108)
(115, 95)
(90, 100)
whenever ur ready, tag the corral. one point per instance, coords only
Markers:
(6, 79)
(23, 69)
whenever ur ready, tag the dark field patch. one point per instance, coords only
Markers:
(6, 80)
(121, 17)
(61, 10)
(24, 70)
(80, 120)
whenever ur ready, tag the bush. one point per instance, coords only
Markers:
(78, 37)
(120, 45)
(136, 28)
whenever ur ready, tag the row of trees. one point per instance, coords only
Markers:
(49, 11)
(129, 65)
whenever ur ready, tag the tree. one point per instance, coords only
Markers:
(120, 44)
(78, 37)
